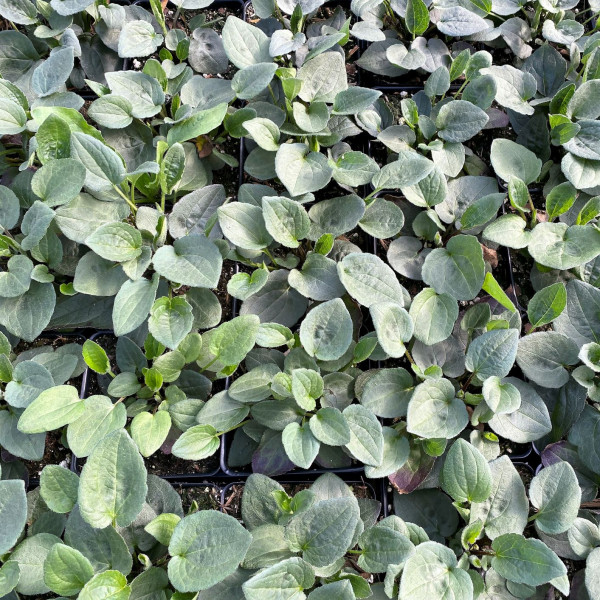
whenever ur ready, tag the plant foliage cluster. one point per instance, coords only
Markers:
(319, 237)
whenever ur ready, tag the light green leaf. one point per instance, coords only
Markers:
(66, 570)
(329, 426)
(112, 485)
(109, 585)
(393, 325)
(300, 170)
(435, 412)
(432, 572)
(323, 77)
(244, 226)
(149, 431)
(300, 444)
(192, 260)
(118, 242)
(326, 331)
(206, 547)
(527, 561)
(286, 220)
(285, 580)
(234, 339)
(58, 488)
(366, 435)
(324, 531)
(434, 316)
(52, 409)
(197, 443)
(13, 512)
(555, 492)
(170, 321)
(369, 280)
(547, 304)
(457, 270)
(466, 475)
(200, 123)
(501, 398)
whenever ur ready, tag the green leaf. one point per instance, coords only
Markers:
(250, 81)
(324, 531)
(417, 17)
(394, 327)
(381, 547)
(507, 508)
(369, 280)
(354, 100)
(432, 572)
(366, 435)
(307, 387)
(28, 315)
(52, 409)
(192, 260)
(58, 181)
(285, 580)
(30, 555)
(149, 431)
(501, 398)
(244, 226)
(104, 167)
(119, 242)
(326, 331)
(206, 547)
(323, 77)
(66, 570)
(233, 339)
(95, 357)
(9, 577)
(264, 132)
(245, 44)
(547, 304)
(493, 353)
(53, 138)
(556, 494)
(58, 488)
(510, 159)
(300, 444)
(457, 270)
(434, 316)
(200, 123)
(112, 485)
(466, 475)
(197, 443)
(13, 512)
(162, 527)
(286, 220)
(300, 170)
(109, 585)
(459, 120)
(170, 321)
(435, 412)
(527, 561)
(560, 199)
(492, 287)
(329, 426)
